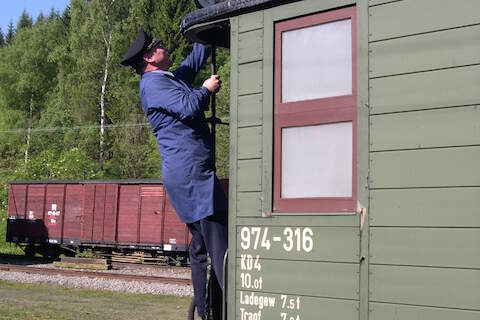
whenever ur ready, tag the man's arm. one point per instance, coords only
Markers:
(176, 101)
(193, 63)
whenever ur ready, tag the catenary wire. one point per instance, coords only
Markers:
(60, 129)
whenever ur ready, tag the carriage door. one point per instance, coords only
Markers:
(151, 213)
(314, 167)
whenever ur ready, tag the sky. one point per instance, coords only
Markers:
(12, 9)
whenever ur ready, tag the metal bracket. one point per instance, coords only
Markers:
(363, 214)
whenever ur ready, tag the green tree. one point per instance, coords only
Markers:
(53, 14)
(166, 19)
(33, 74)
(40, 19)
(10, 33)
(25, 21)
(2, 39)
(97, 25)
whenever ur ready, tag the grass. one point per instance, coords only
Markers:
(45, 301)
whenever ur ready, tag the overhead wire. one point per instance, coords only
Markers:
(61, 129)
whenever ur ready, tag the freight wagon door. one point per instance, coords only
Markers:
(73, 213)
(88, 207)
(110, 214)
(35, 226)
(17, 194)
(54, 212)
(176, 235)
(151, 214)
(128, 211)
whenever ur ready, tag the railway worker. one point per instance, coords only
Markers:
(175, 111)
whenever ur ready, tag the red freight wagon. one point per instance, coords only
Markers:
(124, 214)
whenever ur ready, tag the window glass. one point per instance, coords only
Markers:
(317, 161)
(317, 62)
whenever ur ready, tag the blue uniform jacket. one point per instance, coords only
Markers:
(175, 111)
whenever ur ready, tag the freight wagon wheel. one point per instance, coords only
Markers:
(50, 252)
(29, 251)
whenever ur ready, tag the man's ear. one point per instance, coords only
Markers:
(147, 57)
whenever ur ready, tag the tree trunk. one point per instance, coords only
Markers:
(29, 130)
(102, 100)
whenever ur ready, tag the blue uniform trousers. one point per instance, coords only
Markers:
(208, 235)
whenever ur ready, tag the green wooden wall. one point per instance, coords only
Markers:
(418, 137)
(424, 78)
(327, 279)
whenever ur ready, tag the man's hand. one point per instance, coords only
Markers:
(212, 84)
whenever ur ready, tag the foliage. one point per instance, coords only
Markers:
(25, 21)
(56, 67)
(10, 33)
(2, 39)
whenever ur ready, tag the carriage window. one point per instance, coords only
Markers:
(309, 70)
(315, 113)
(330, 145)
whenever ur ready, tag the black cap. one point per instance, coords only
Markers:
(143, 42)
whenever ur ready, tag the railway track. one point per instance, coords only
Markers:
(93, 274)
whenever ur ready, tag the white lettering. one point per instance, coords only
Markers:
(54, 211)
(246, 315)
(247, 262)
(261, 302)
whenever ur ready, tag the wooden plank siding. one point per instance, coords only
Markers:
(431, 247)
(426, 207)
(435, 128)
(426, 168)
(250, 142)
(250, 78)
(435, 287)
(388, 311)
(250, 46)
(429, 51)
(249, 60)
(250, 21)
(316, 279)
(233, 167)
(408, 17)
(245, 131)
(322, 308)
(426, 90)
(424, 80)
(327, 280)
(332, 244)
(250, 110)
(249, 204)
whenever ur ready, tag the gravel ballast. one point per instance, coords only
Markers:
(171, 272)
(100, 284)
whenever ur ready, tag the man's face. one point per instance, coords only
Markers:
(158, 57)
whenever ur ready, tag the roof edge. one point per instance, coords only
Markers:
(222, 11)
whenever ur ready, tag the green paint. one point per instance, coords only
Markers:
(408, 17)
(440, 287)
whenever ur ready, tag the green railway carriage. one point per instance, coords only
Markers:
(354, 157)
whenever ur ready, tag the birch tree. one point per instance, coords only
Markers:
(107, 30)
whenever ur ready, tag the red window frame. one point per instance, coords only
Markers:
(313, 112)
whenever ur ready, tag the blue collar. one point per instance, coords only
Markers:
(168, 73)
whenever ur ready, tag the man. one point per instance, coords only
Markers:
(175, 111)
